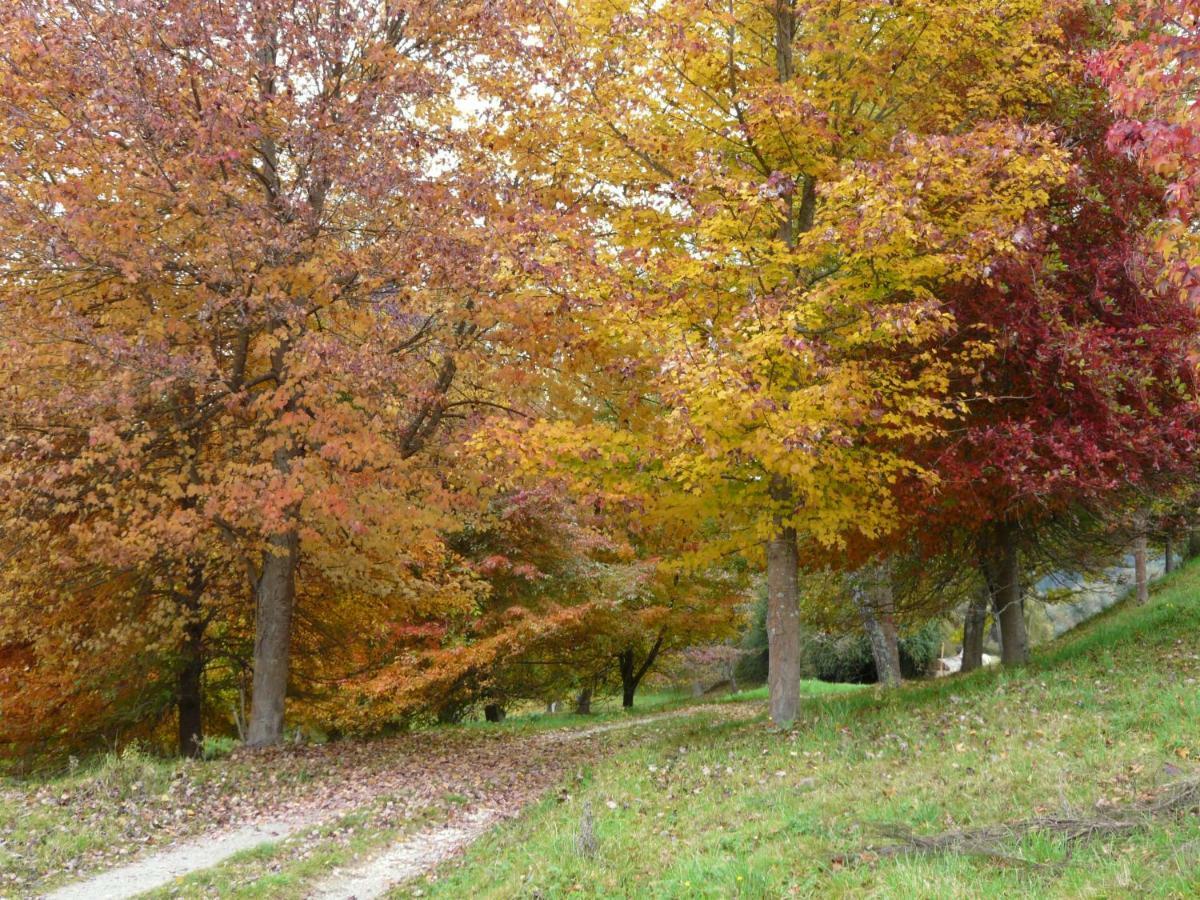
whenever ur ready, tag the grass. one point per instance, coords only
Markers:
(703, 805)
(608, 708)
(39, 832)
(1097, 721)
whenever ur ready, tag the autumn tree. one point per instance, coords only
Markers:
(1090, 392)
(780, 191)
(571, 603)
(254, 268)
(1152, 76)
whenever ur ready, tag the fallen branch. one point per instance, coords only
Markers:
(989, 840)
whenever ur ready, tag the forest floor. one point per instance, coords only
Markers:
(1075, 776)
(347, 818)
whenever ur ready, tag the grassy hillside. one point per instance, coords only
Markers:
(1103, 725)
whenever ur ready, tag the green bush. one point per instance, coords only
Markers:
(836, 658)
(218, 746)
(847, 658)
(752, 667)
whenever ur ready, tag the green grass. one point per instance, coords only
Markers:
(608, 708)
(735, 810)
(40, 831)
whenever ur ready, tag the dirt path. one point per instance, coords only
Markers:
(575, 734)
(163, 867)
(421, 853)
(411, 857)
(497, 773)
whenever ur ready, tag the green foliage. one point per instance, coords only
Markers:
(752, 669)
(837, 658)
(847, 657)
(218, 746)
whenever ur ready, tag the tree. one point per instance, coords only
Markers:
(1089, 392)
(774, 222)
(871, 588)
(253, 268)
(1152, 77)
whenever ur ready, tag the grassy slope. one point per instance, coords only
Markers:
(1099, 718)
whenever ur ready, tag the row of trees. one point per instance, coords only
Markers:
(396, 356)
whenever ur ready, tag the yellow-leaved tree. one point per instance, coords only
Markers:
(777, 192)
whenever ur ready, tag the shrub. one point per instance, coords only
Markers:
(218, 746)
(847, 658)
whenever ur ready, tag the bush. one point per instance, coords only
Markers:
(838, 658)
(752, 667)
(218, 746)
(847, 658)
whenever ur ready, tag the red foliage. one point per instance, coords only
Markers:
(1090, 388)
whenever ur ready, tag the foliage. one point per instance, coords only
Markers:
(1087, 404)
(771, 247)
(846, 658)
(1152, 77)
(752, 669)
(256, 285)
(833, 647)
(405, 357)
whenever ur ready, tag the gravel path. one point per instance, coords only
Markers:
(167, 865)
(412, 857)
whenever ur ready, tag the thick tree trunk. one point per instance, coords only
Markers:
(783, 560)
(628, 688)
(190, 689)
(1002, 569)
(783, 625)
(631, 677)
(1141, 582)
(876, 605)
(191, 694)
(494, 712)
(583, 702)
(974, 626)
(272, 640)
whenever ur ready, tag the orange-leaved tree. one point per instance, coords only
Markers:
(257, 275)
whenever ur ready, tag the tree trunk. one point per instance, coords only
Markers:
(583, 702)
(272, 640)
(1002, 569)
(1168, 555)
(494, 712)
(1141, 582)
(628, 688)
(190, 690)
(1193, 544)
(873, 596)
(783, 560)
(974, 626)
(783, 624)
(630, 677)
